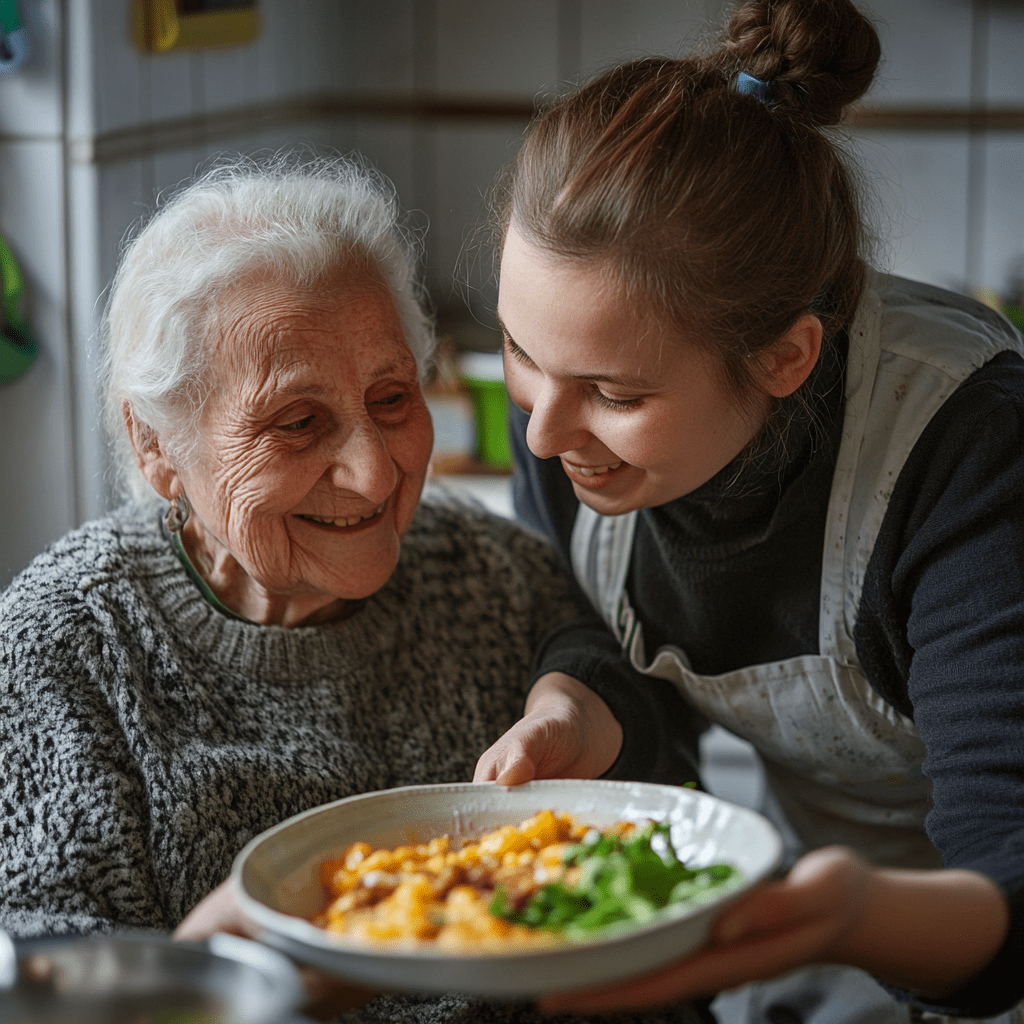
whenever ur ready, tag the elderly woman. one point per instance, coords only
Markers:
(275, 621)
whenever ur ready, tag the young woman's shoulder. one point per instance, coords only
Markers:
(954, 514)
(978, 432)
(955, 333)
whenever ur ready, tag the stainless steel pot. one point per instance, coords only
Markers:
(146, 979)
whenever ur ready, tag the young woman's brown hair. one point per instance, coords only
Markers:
(726, 215)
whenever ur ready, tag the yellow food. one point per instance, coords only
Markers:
(439, 893)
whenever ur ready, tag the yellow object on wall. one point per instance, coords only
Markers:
(162, 25)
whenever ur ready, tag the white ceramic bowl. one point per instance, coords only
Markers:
(275, 880)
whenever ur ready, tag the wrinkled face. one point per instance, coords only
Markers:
(637, 415)
(315, 438)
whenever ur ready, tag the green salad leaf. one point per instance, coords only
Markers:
(621, 880)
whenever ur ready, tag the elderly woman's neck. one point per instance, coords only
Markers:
(245, 597)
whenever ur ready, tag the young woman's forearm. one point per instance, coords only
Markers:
(927, 931)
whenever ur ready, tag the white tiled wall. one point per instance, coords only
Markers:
(469, 156)
(36, 460)
(390, 46)
(492, 50)
(1003, 215)
(36, 412)
(616, 30)
(917, 202)
(941, 222)
(926, 52)
(1004, 21)
(949, 204)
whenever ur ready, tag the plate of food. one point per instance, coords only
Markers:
(508, 892)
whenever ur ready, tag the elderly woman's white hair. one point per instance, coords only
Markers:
(294, 218)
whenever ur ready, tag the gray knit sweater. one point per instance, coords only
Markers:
(145, 737)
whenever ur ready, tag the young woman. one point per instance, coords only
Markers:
(791, 486)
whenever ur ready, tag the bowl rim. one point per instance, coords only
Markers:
(298, 929)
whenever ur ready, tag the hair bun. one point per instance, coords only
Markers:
(821, 55)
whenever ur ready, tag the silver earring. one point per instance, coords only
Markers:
(177, 514)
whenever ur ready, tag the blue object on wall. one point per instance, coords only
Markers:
(13, 38)
(17, 346)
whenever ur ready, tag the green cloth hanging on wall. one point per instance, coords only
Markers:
(14, 48)
(17, 346)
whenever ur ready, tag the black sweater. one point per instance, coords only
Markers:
(731, 574)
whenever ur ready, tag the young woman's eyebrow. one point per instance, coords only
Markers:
(618, 379)
(516, 351)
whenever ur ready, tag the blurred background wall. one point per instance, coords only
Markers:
(435, 93)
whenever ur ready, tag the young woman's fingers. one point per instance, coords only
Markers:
(490, 764)
(826, 884)
(516, 771)
(541, 745)
(713, 970)
(510, 761)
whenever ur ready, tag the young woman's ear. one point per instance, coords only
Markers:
(156, 467)
(788, 363)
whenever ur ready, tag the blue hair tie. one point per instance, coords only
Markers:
(751, 86)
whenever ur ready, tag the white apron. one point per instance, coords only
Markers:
(841, 764)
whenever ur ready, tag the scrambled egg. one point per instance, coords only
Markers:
(438, 894)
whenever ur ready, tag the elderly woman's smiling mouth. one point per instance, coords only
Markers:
(342, 522)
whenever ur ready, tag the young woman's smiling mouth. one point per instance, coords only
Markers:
(588, 472)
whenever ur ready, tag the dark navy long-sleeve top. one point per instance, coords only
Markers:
(731, 573)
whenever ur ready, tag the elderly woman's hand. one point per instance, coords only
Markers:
(326, 997)
(567, 732)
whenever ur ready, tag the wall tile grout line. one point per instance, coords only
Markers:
(171, 134)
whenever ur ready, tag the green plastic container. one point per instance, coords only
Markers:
(1015, 314)
(482, 375)
(17, 346)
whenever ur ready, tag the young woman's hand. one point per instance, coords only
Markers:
(326, 997)
(567, 732)
(927, 931)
